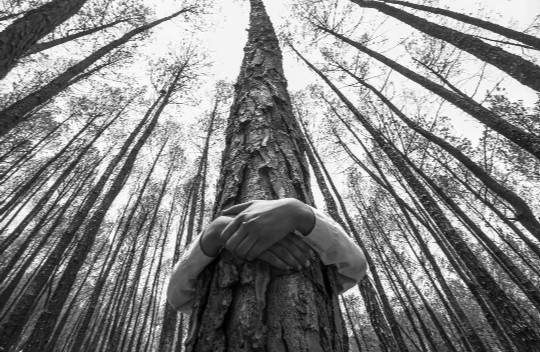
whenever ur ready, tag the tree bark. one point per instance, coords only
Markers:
(22, 34)
(490, 26)
(52, 43)
(248, 306)
(522, 210)
(18, 111)
(523, 333)
(522, 70)
(525, 140)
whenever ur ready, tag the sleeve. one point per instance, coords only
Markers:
(334, 246)
(181, 289)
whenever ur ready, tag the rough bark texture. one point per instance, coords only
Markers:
(523, 334)
(22, 34)
(243, 306)
(522, 70)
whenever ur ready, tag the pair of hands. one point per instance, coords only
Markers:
(263, 229)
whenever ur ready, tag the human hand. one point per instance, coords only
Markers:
(260, 224)
(291, 252)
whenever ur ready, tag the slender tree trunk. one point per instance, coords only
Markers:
(51, 44)
(11, 329)
(522, 70)
(524, 335)
(248, 306)
(351, 324)
(525, 140)
(23, 33)
(38, 338)
(390, 337)
(522, 210)
(18, 111)
(490, 26)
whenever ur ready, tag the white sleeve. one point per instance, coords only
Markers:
(334, 246)
(181, 289)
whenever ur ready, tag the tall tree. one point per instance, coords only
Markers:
(23, 33)
(19, 110)
(522, 70)
(510, 33)
(522, 332)
(248, 306)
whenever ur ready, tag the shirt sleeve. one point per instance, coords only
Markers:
(334, 246)
(327, 238)
(181, 289)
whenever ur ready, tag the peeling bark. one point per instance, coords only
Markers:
(249, 306)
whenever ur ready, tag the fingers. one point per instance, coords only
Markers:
(237, 209)
(272, 259)
(297, 248)
(231, 228)
(237, 237)
(285, 255)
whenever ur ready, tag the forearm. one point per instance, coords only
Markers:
(335, 247)
(181, 289)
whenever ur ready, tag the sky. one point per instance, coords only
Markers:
(224, 37)
(227, 34)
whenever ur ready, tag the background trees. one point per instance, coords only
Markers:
(432, 168)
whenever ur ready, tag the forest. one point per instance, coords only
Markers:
(126, 126)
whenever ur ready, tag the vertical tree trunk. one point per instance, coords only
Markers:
(248, 306)
(524, 335)
(22, 34)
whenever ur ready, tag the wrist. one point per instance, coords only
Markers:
(304, 217)
(210, 245)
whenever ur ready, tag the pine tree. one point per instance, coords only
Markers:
(248, 306)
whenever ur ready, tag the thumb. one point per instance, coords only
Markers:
(237, 209)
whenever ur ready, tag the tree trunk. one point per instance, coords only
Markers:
(490, 26)
(524, 335)
(18, 111)
(248, 306)
(523, 212)
(525, 140)
(51, 44)
(522, 70)
(22, 34)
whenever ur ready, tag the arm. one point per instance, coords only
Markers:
(334, 246)
(181, 289)
(289, 253)
(261, 223)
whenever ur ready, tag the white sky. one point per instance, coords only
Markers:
(227, 35)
